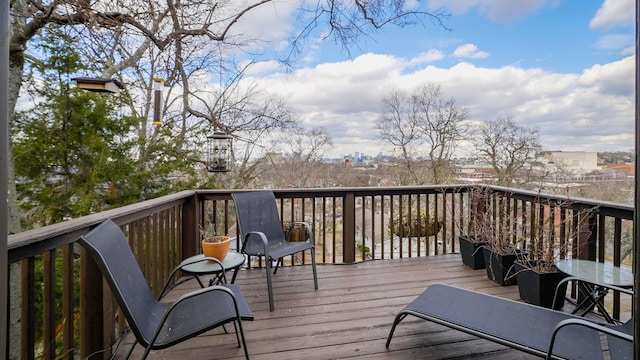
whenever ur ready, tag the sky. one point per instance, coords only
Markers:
(565, 67)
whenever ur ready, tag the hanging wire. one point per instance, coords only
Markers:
(67, 116)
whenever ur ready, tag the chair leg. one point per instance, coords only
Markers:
(313, 266)
(396, 321)
(244, 343)
(269, 287)
(278, 263)
(235, 328)
(146, 352)
(131, 349)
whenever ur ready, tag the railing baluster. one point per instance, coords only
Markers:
(28, 317)
(68, 304)
(49, 304)
(438, 200)
(602, 222)
(324, 228)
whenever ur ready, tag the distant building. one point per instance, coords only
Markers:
(628, 169)
(572, 161)
(470, 173)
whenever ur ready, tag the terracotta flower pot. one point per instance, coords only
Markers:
(218, 249)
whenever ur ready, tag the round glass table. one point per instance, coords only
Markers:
(596, 272)
(233, 261)
(593, 277)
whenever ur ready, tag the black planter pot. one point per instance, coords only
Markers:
(539, 288)
(499, 267)
(471, 253)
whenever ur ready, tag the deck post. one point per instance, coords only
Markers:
(190, 225)
(349, 228)
(4, 170)
(636, 213)
(91, 309)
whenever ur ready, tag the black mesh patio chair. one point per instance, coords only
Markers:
(536, 330)
(262, 234)
(155, 324)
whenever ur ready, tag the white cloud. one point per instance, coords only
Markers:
(622, 44)
(614, 13)
(427, 57)
(588, 111)
(263, 67)
(469, 51)
(497, 10)
(631, 50)
(271, 23)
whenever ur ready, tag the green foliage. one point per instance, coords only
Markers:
(70, 149)
(76, 153)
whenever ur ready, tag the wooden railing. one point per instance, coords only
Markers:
(65, 310)
(356, 224)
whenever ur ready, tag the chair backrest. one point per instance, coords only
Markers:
(111, 252)
(258, 211)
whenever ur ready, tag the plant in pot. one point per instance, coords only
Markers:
(500, 254)
(471, 251)
(501, 249)
(474, 238)
(216, 246)
(547, 236)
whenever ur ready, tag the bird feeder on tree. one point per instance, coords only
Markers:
(158, 84)
(219, 146)
(99, 84)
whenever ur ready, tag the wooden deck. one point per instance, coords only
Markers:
(348, 317)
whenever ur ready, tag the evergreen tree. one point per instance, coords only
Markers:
(74, 150)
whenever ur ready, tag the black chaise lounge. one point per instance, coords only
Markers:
(533, 329)
(262, 234)
(155, 324)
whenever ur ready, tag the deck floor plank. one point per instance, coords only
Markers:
(348, 317)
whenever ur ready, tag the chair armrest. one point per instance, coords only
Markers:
(263, 237)
(589, 324)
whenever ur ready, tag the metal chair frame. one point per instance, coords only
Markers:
(155, 324)
(262, 234)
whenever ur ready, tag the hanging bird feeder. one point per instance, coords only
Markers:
(158, 85)
(219, 146)
(99, 84)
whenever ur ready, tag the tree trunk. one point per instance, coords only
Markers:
(16, 68)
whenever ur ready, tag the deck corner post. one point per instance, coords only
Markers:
(190, 225)
(91, 309)
(349, 228)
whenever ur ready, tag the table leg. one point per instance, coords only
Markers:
(594, 297)
(217, 279)
(235, 273)
(199, 282)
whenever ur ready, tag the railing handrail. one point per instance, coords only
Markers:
(30, 242)
(610, 208)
